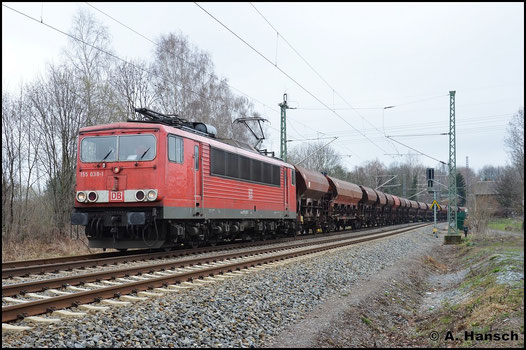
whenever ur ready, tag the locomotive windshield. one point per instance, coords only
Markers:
(121, 148)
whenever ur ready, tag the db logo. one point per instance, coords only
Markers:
(116, 196)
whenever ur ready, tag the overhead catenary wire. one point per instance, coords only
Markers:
(319, 75)
(438, 160)
(376, 107)
(213, 101)
(472, 120)
(282, 71)
(178, 56)
(115, 56)
(184, 60)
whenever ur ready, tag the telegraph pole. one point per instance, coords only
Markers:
(283, 148)
(452, 181)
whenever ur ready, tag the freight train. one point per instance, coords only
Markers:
(164, 182)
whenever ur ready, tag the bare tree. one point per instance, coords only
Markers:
(185, 84)
(133, 88)
(480, 216)
(10, 162)
(367, 174)
(509, 192)
(91, 67)
(19, 163)
(514, 142)
(57, 113)
(316, 156)
(490, 172)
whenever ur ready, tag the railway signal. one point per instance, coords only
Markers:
(430, 174)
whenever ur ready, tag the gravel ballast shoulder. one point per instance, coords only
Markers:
(248, 310)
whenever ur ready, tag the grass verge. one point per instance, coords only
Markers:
(488, 300)
(508, 224)
(43, 247)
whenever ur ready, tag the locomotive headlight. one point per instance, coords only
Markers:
(152, 195)
(116, 170)
(81, 197)
(92, 196)
(139, 195)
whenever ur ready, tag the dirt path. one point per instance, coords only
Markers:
(444, 288)
(365, 315)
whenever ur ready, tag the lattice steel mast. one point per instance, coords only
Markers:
(283, 148)
(452, 181)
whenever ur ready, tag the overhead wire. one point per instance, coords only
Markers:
(180, 57)
(115, 56)
(315, 71)
(475, 120)
(281, 70)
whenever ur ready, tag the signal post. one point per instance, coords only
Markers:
(430, 172)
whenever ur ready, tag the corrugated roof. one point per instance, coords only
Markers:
(485, 188)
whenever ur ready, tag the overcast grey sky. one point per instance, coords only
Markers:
(407, 55)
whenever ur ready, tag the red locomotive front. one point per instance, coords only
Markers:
(118, 189)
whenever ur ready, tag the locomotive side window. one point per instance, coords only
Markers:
(175, 149)
(233, 165)
(276, 173)
(293, 177)
(243, 168)
(218, 162)
(267, 173)
(255, 170)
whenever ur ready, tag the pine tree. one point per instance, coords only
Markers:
(461, 190)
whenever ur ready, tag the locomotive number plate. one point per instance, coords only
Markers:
(116, 196)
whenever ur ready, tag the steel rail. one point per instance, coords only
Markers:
(33, 262)
(60, 282)
(13, 312)
(26, 268)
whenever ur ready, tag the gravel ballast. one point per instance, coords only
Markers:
(247, 310)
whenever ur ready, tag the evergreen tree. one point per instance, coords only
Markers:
(461, 190)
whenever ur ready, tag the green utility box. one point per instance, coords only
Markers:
(461, 216)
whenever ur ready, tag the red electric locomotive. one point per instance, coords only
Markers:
(165, 181)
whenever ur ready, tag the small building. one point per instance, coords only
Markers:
(486, 194)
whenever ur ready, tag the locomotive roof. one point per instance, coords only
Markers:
(218, 143)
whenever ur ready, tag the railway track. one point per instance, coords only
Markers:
(160, 278)
(26, 268)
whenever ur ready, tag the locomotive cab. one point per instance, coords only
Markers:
(117, 166)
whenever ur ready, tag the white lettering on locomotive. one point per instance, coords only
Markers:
(116, 196)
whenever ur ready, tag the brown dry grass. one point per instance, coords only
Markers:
(435, 264)
(44, 247)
